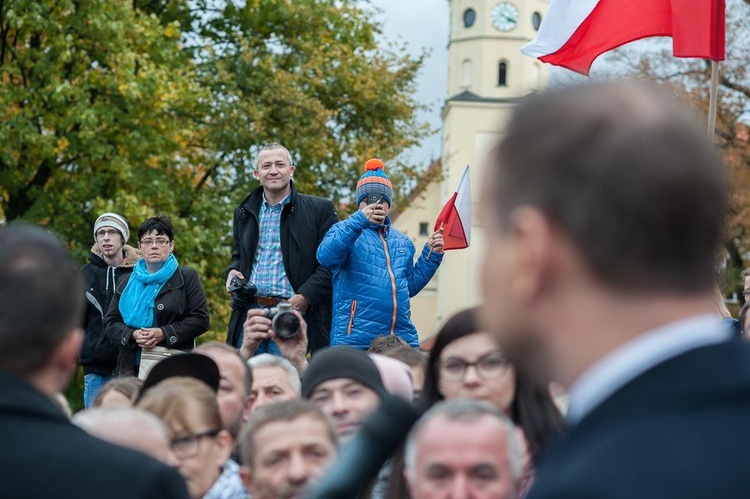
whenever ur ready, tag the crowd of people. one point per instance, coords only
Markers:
(598, 364)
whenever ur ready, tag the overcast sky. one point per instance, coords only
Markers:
(422, 24)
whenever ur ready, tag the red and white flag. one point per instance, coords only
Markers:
(455, 217)
(575, 32)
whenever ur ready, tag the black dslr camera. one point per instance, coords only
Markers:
(283, 321)
(242, 288)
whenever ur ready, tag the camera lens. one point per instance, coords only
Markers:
(286, 325)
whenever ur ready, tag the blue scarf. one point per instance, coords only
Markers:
(138, 297)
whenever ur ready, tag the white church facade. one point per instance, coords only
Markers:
(486, 75)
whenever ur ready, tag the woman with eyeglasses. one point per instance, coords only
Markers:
(198, 441)
(159, 304)
(466, 362)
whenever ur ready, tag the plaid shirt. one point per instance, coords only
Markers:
(268, 273)
(229, 484)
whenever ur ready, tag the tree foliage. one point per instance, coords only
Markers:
(158, 106)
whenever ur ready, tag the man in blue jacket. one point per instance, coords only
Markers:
(373, 268)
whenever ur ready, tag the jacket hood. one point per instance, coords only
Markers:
(132, 255)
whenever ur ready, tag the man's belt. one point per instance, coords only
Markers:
(265, 301)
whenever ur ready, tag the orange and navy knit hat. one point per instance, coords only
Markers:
(374, 182)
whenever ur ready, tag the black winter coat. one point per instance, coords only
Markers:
(99, 353)
(46, 456)
(180, 311)
(304, 222)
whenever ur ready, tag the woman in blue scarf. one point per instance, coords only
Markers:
(160, 304)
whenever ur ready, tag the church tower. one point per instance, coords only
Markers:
(486, 75)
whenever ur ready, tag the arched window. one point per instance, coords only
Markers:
(502, 74)
(466, 70)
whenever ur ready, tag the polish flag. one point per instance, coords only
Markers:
(575, 32)
(455, 217)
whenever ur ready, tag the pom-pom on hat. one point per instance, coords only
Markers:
(374, 182)
(115, 221)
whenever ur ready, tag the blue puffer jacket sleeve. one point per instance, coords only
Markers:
(423, 270)
(338, 242)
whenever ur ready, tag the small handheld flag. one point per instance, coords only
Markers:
(455, 217)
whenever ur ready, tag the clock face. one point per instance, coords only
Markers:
(504, 16)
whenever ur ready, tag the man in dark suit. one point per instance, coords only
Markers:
(604, 207)
(43, 454)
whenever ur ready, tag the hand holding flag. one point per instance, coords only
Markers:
(454, 221)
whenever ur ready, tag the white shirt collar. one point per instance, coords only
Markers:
(623, 365)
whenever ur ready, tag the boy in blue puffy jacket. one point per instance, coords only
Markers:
(373, 268)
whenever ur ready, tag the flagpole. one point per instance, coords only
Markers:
(712, 98)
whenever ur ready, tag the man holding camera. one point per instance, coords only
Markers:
(276, 233)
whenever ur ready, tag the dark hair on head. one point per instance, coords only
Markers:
(384, 342)
(160, 223)
(626, 175)
(41, 292)
(532, 408)
(130, 386)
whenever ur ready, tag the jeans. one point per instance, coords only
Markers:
(265, 346)
(92, 383)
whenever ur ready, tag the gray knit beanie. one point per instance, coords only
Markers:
(115, 221)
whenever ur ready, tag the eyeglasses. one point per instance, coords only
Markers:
(488, 366)
(107, 232)
(189, 445)
(159, 241)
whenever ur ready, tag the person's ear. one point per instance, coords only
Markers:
(407, 478)
(247, 478)
(226, 444)
(534, 255)
(256, 174)
(291, 171)
(248, 407)
(67, 355)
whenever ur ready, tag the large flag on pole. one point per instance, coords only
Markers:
(455, 217)
(575, 32)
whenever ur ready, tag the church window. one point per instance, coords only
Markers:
(466, 71)
(470, 16)
(502, 74)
